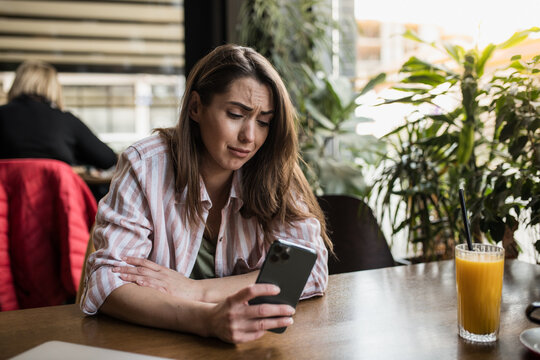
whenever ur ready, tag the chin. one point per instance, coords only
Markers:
(234, 165)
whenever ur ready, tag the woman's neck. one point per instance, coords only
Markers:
(218, 185)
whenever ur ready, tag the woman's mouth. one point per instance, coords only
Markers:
(239, 152)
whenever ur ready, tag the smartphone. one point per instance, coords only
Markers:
(288, 266)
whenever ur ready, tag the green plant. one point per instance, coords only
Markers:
(517, 110)
(295, 36)
(487, 144)
(292, 35)
(336, 153)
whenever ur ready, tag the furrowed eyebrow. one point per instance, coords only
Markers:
(247, 108)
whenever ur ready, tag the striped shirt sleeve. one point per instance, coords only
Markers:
(122, 228)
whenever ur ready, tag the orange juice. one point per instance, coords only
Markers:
(479, 278)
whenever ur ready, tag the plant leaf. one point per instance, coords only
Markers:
(517, 65)
(424, 77)
(380, 78)
(341, 88)
(508, 129)
(517, 146)
(486, 55)
(517, 37)
(455, 51)
(417, 90)
(318, 116)
(406, 99)
(466, 143)
(412, 36)
(415, 64)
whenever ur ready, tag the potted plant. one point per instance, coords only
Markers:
(487, 144)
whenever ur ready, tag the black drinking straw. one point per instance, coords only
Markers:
(465, 219)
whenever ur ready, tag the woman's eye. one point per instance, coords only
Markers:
(263, 123)
(234, 115)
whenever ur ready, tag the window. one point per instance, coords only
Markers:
(120, 62)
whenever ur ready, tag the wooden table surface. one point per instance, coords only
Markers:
(405, 312)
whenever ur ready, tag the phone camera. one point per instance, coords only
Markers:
(278, 248)
(274, 258)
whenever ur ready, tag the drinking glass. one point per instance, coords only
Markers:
(479, 279)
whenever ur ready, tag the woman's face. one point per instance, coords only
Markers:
(234, 125)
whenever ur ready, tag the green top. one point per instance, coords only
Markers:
(204, 265)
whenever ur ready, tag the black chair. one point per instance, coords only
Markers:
(358, 241)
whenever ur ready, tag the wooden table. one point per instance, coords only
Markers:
(406, 312)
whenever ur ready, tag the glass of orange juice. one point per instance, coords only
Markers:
(479, 279)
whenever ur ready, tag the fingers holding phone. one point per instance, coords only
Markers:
(235, 321)
(288, 266)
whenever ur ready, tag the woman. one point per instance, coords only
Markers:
(33, 125)
(194, 209)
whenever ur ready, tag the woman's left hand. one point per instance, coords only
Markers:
(149, 274)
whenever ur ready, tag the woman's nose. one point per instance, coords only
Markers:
(247, 132)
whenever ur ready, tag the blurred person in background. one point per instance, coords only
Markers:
(34, 125)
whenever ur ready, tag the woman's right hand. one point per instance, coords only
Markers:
(144, 272)
(235, 321)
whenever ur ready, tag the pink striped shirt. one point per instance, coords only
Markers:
(142, 216)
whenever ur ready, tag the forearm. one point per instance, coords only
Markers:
(149, 307)
(232, 320)
(217, 289)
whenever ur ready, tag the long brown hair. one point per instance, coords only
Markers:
(272, 180)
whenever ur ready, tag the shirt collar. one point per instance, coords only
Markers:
(235, 194)
(236, 191)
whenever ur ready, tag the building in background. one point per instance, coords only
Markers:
(380, 46)
(121, 63)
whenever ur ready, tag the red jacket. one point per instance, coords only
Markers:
(46, 212)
